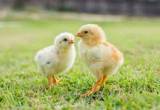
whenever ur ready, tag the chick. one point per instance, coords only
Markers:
(57, 58)
(102, 58)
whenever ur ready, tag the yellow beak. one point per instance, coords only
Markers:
(70, 41)
(78, 34)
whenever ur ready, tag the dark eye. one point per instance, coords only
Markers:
(65, 39)
(85, 32)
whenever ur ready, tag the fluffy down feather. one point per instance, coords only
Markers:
(101, 57)
(57, 58)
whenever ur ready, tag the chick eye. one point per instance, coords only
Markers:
(65, 39)
(85, 32)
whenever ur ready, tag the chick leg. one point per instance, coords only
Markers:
(96, 87)
(50, 81)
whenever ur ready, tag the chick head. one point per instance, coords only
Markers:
(91, 34)
(64, 40)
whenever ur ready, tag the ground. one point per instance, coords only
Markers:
(135, 87)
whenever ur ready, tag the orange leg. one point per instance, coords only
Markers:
(96, 87)
(52, 80)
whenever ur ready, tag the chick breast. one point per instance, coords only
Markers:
(51, 61)
(101, 59)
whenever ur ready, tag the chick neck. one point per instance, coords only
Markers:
(63, 50)
(93, 42)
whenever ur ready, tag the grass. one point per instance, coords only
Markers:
(135, 87)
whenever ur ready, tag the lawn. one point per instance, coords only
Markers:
(135, 87)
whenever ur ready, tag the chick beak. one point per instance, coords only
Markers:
(71, 41)
(78, 34)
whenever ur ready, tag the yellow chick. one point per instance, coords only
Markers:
(102, 58)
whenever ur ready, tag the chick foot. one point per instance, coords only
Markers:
(96, 87)
(52, 80)
(55, 80)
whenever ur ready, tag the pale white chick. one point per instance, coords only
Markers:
(102, 58)
(57, 58)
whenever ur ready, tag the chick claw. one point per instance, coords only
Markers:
(52, 80)
(93, 90)
(55, 80)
